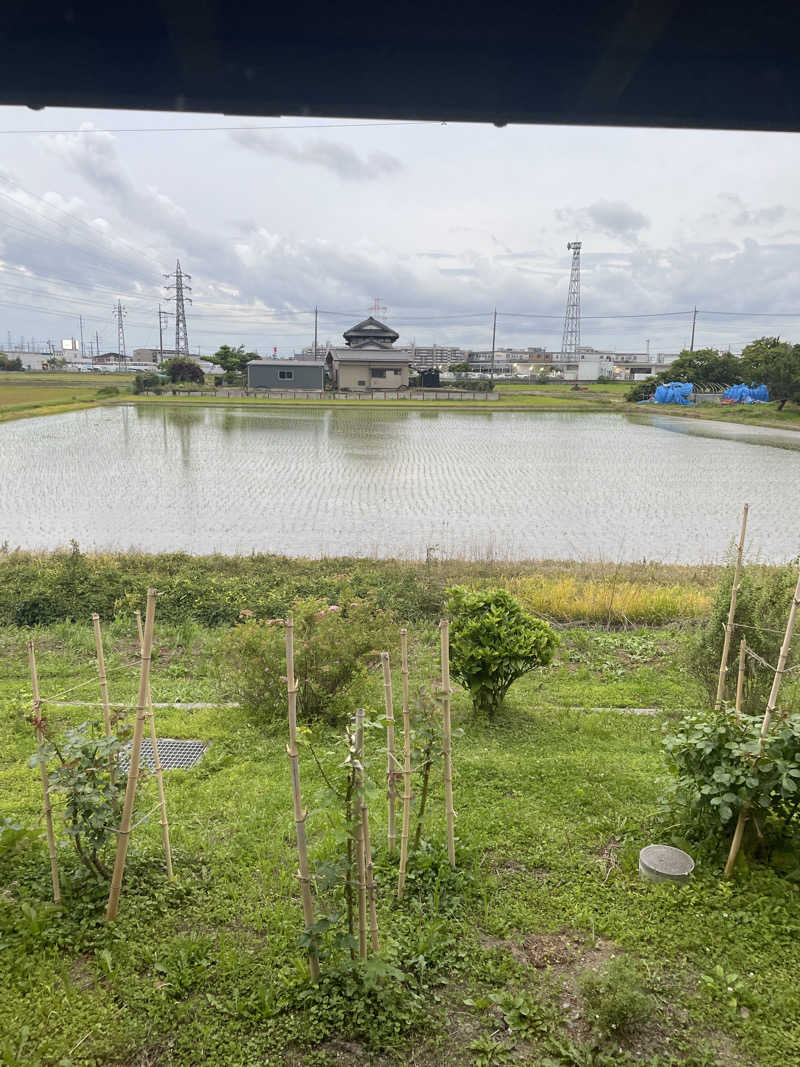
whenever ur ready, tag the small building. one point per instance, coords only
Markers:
(285, 374)
(368, 360)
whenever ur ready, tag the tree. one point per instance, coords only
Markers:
(776, 363)
(704, 368)
(182, 370)
(233, 361)
(493, 642)
(7, 363)
(459, 368)
(145, 380)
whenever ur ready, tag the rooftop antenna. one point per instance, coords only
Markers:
(377, 307)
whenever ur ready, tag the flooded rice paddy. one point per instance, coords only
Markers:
(398, 483)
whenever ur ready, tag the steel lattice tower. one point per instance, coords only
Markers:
(181, 289)
(571, 340)
(119, 314)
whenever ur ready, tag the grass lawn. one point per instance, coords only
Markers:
(25, 395)
(487, 965)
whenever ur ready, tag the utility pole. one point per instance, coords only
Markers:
(694, 320)
(162, 316)
(97, 343)
(494, 334)
(316, 317)
(80, 320)
(119, 313)
(181, 289)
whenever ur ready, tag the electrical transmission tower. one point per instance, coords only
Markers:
(120, 313)
(571, 340)
(181, 288)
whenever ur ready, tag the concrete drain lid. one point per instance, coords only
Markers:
(173, 754)
(663, 863)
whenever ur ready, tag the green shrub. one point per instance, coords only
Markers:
(88, 776)
(493, 642)
(614, 998)
(333, 645)
(762, 608)
(720, 766)
(145, 381)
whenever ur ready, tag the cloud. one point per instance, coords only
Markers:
(333, 156)
(614, 218)
(740, 214)
(93, 155)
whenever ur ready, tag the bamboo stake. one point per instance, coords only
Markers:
(401, 878)
(47, 807)
(303, 875)
(767, 720)
(726, 645)
(361, 860)
(369, 872)
(390, 760)
(740, 675)
(783, 656)
(162, 802)
(124, 832)
(101, 670)
(349, 880)
(444, 628)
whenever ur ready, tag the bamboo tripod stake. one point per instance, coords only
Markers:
(726, 645)
(767, 721)
(47, 808)
(369, 870)
(358, 825)
(444, 628)
(390, 760)
(156, 761)
(101, 670)
(303, 875)
(124, 832)
(740, 674)
(401, 878)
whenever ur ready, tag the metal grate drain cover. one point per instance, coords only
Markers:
(172, 753)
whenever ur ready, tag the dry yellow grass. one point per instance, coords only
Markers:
(609, 600)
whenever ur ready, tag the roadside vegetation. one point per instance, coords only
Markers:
(543, 945)
(23, 395)
(39, 589)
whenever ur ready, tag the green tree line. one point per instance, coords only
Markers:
(768, 360)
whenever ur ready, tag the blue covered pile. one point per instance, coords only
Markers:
(674, 393)
(747, 394)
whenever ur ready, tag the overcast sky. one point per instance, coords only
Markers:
(441, 222)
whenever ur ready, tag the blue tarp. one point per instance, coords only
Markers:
(747, 394)
(674, 393)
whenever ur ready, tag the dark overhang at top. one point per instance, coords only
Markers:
(646, 62)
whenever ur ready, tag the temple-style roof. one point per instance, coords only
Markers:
(370, 331)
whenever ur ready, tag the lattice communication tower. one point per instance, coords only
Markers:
(119, 314)
(571, 339)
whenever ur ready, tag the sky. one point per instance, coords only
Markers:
(442, 223)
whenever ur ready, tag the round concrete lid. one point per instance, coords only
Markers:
(665, 862)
